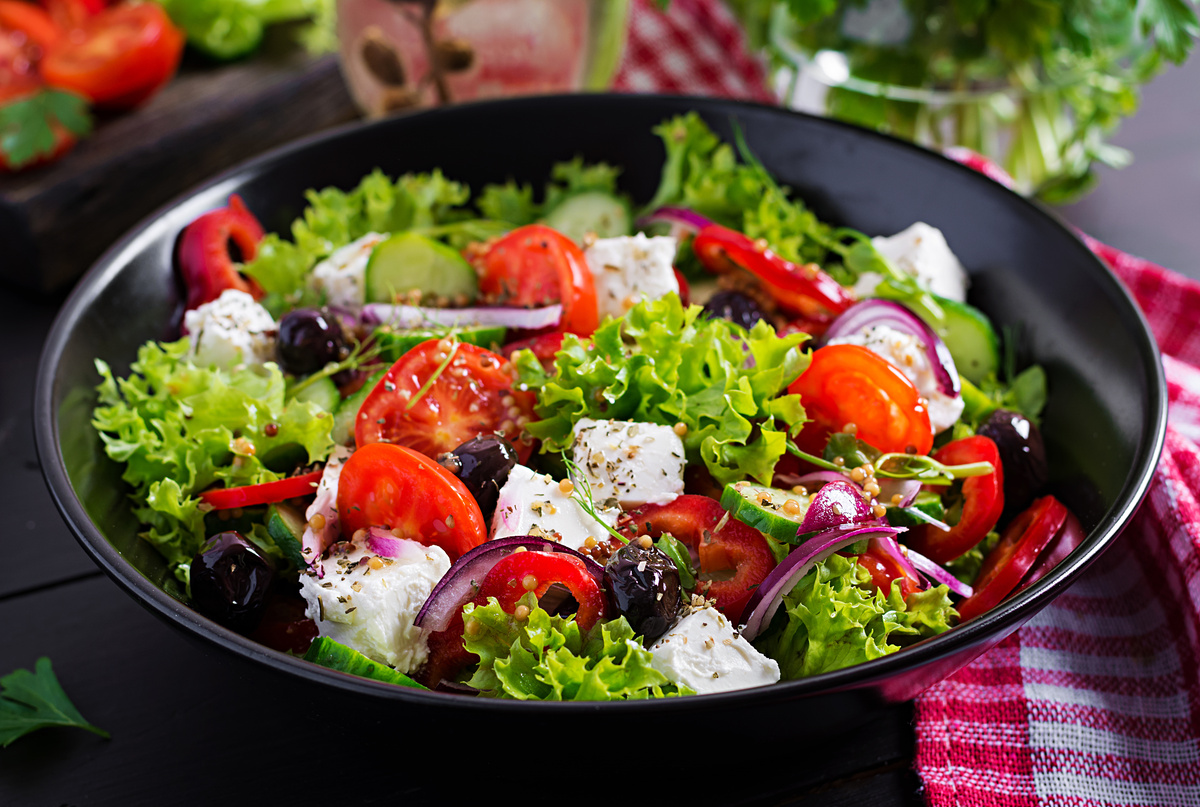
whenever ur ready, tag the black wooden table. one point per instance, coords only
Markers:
(191, 725)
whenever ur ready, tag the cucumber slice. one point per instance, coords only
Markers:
(928, 503)
(766, 510)
(347, 411)
(323, 392)
(395, 343)
(590, 212)
(971, 340)
(286, 527)
(410, 262)
(337, 656)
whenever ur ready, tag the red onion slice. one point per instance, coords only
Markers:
(683, 221)
(460, 585)
(783, 578)
(411, 316)
(872, 313)
(836, 503)
(938, 575)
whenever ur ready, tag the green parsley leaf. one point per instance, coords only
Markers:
(35, 700)
(27, 125)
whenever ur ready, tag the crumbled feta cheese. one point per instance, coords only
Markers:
(907, 353)
(635, 463)
(315, 541)
(922, 251)
(535, 504)
(372, 610)
(629, 269)
(342, 276)
(232, 329)
(704, 652)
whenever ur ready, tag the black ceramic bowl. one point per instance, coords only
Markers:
(1104, 424)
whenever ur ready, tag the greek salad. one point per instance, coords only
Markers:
(536, 444)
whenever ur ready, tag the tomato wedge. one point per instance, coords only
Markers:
(204, 259)
(982, 502)
(470, 394)
(850, 384)
(534, 266)
(266, 493)
(884, 569)
(384, 485)
(803, 290)
(117, 58)
(522, 572)
(1019, 547)
(723, 544)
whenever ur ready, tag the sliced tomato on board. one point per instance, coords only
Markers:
(517, 574)
(536, 266)
(204, 260)
(849, 384)
(982, 502)
(1020, 545)
(30, 20)
(384, 485)
(266, 493)
(734, 558)
(71, 14)
(441, 394)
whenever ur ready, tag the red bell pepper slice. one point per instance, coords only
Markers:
(204, 260)
(522, 572)
(266, 493)
(983, 502)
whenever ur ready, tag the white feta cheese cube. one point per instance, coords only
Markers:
(535, 504)
(634, 463)
(231, 330)
(342, 276)
(372, 610)
(631, 268)
(704, 652)
(922, 251)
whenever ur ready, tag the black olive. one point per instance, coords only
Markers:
(308, 340)
(482, 464)
(1023, 455)
(735, 307)
(230, 577)
(643, 585)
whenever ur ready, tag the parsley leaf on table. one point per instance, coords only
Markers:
(34, 700)
(27, 125)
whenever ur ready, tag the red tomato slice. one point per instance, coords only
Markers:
(522, 572)
(204, 259)
(850, 384)
(884, 569)
(734, 547)
(545, 347)
(117, 58)
(470, 397)
(266, 493)
(983, 502)
(384, 485)
(71, 14)
(1019, 547)
(535, 266)
(803, 290)
(17, 15)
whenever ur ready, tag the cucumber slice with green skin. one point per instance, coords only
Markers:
(971, 340)
(928, 503)
(395, 343)
(347, 411)
(410, 262)
(323, 392)
(766, 509)
(286, 527)
(590, 212)
(337, 656)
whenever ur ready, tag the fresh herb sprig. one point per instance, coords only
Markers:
(581, 493)
(361, 354)
(28, 126)
(35, 700)
(903, 466)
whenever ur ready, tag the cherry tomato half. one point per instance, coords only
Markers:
(982, 502)
(521, 572)
(1019, 547)
(471, 396)
(734, 547)
(266, 493)
(803, 290)
(535, 266)
(204, 259)
(384, 485)
(117, 58)
(850, 384)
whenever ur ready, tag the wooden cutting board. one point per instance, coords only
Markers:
(56, 220)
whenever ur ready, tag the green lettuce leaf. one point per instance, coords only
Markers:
(666, 364)
(549, 658)
(836, 618)
(180, 429)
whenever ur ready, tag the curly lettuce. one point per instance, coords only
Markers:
(180, 429)
(551, 658)
(835, 618)
(666, 364)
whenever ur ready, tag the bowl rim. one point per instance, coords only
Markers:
(1000, 621)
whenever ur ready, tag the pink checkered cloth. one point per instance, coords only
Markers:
(1096, 701)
